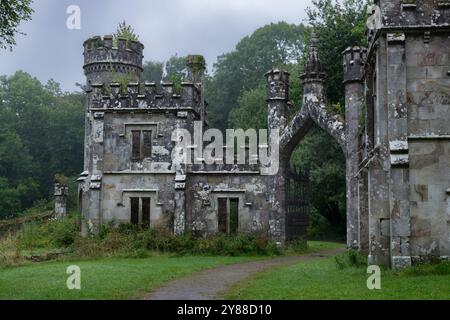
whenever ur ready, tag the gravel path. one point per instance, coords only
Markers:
(211, 284)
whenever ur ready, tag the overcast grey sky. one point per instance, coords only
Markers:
(209, 27)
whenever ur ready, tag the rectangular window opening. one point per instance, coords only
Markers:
(134, 214)
(141, 145)
(136, 145)
(147, 144)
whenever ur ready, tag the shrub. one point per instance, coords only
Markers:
(136, 254)
(117, 241)
(63, 233)
(127, 240)
(109, 243)
(88, 247)
(436, 268)
(235, 245)
(51, 234)
(351, 258)
(33, 236)
(9, 254)
(298, 246)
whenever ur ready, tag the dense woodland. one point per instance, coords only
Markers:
(42, 128)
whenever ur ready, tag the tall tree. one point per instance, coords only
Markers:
(153, 71)
(251, 110)
(338, 24)
(274, 45)
(174, 70)
(12, 13)
(41, 133)
(176, 67)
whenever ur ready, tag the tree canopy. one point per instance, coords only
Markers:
(237, 89)
(338, 25)
(41, 133)
(274, 45)
(12, 13)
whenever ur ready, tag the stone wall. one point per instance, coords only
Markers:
(407, 132)
(251, 190)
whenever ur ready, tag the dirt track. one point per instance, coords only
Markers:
(211, 284)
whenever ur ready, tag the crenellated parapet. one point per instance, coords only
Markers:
(277, 84)
(106, 57)
(354, 61)
(415, 13)
(416, 16)
(144, 96)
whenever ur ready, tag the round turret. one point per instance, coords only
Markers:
(106, 59)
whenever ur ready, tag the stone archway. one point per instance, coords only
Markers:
(314, 111)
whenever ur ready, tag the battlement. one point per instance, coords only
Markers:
(144, 96)
(414, 13)
(104, 55)
(354, 61)
(277, 84)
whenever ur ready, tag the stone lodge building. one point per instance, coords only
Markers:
(395, 136)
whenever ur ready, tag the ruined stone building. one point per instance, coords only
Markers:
(395, 136)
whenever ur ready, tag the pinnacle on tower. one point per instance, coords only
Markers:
(313, 70)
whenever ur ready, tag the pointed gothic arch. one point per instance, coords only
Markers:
(314, 111)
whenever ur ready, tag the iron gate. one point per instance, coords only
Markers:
(297, 204)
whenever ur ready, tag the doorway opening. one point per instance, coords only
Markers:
(317, 174)
(228, 215)
(140, 212)
(297, 204)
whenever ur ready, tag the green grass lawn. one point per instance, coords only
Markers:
(321, 279)
(111, 278)
(317, 246)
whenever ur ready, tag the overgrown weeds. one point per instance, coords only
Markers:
(434, 268)
(350, 259)
(61, 238)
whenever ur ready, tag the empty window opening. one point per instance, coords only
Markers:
(140, 211)
(141, 144)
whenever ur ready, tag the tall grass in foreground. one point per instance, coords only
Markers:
(61, 238)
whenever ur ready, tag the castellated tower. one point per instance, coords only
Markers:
(128, 169)
(106, 58)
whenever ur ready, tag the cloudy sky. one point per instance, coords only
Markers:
(166, 27)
